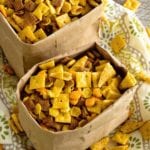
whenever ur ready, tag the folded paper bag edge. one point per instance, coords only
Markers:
(55, 138)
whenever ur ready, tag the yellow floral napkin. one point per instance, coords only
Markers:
(135, 54)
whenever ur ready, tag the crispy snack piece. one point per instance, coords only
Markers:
(26, 33)
(3, 10)
(83, 2)
(124, 147)
(53, 112)
(69, 86)
(114, 82)
(47, 65)
(80, 64)
(62, 102)
(59, 6)
(63, 20)
(74, 2)
(75, 111)
(117, 43)
(65, 127)
(76, 10)
(67, 76)
(100, 67)
(41, 10)
(100, 145)
(96, 108)
(113, 94)
(16, 27)
(27, 90)
(13, 127)
(111, 91)
(97, 92)
(66, 7)
(132, 4)
(95, 78)
(145, 130)
(18, 20)
(40, 34)
(56, 89)
(86, 9)
(3, 2)
(70, 63)
(74, 97)
(148, 31)
(83, 79)
(60, 109)
(93, 3)
(130, 126)
(107, 73)
(43, 92)
(56, 72)
(89, 102)
(121, 138)
(143, 76)
(9, 11)
(128, 82)
(63, 118)
(51, 7)
(106, 103)
(15, 124)
(38, 109)
(16, 121)
(87, 92)
(38, 81)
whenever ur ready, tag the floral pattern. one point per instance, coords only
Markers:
(147, 102)
(4, 128)
(135, 142)
(135, 56)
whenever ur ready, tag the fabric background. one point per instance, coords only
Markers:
(138, 54)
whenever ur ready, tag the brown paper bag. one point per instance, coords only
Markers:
(23, 56)
(79, 138)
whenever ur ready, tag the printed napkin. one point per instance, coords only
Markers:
(136, 57)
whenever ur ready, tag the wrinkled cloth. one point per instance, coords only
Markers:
(136, 57)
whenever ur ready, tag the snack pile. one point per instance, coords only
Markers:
(34, 20)
(120, 140)
(68, 94)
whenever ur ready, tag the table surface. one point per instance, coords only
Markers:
(143, 13)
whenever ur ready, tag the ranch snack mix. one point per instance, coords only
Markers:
(34, 20)
(70, 93)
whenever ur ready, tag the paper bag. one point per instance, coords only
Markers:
(23, 56)
(79, 138)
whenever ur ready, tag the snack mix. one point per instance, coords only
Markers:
(120, 140)
(34, 20)
(68, 94)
